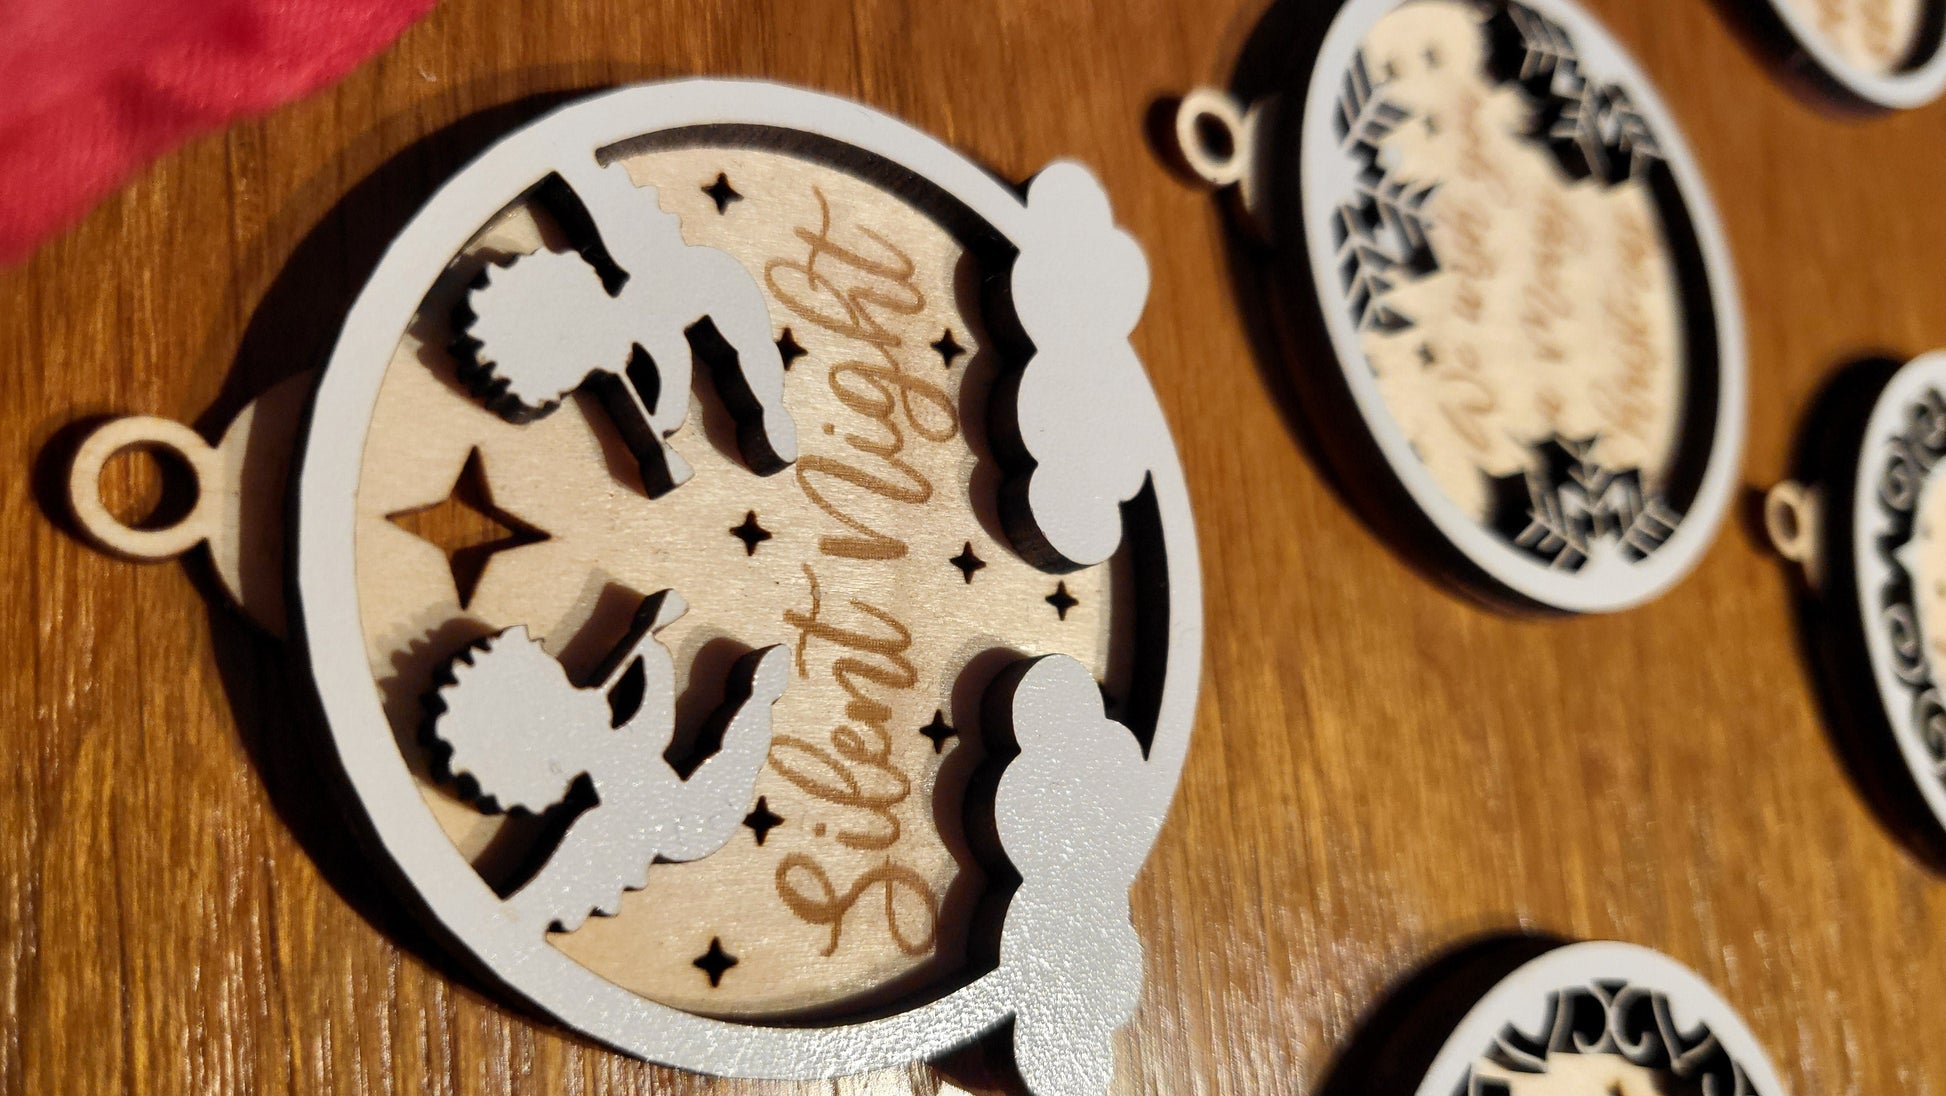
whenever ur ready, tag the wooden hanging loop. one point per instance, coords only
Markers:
(108, 532)
(239, 484)
(1217, 139)
(1793, 514)
(1214, 133)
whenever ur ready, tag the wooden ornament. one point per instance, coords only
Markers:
(1884, 54)
(751, 589)
(1867, 528)
(1600, 1019)
(1492, 221)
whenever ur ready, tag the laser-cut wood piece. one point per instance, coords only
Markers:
(239, 502)
(802, 949)
(379, 609)
(1869, 536)
(1882, 54)
(1597, 1019)
(1510, 250)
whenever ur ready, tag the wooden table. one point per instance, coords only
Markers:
(1381, 769)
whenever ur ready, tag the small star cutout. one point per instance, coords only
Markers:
(1062, 600)
(750, 533)
(714, 962)
(468, 527)
(1432, 126)
(939, 731)
(722, 193)
(1391, 70)
(967, 562)
(1426, 357)
(949, 348)
(1432, 56)
(788, 349)
(762, 820)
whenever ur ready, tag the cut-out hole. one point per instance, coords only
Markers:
(627, 696)
(149, 487)
(1214, 138)
(1784, 527)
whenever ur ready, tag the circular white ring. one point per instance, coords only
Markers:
(1873, 572)
(1525, 999)
(1509, 567)
(1912, 86)
(327, 622)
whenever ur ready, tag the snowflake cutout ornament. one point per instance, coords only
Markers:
(765, 743)
(1484, 210)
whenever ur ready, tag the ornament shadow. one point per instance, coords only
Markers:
(1400, 1035)
(1831, 637)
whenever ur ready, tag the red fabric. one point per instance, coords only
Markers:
(91, 90)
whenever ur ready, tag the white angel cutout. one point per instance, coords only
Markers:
(539, 326)
(524, 734)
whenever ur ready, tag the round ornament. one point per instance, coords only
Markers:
(1585, 1019)
(1502, 281)
(1599, 1019)
(1888, 54)
(1868, 527)
(751, 589)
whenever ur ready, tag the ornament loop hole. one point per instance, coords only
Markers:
(1213, 135)
(1793, 515)
(173, 528)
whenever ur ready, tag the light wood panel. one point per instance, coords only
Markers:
(1381, 768)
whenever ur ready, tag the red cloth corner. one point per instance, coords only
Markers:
(95, 89)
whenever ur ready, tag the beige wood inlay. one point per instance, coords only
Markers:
(865, 887)
(1589, 1075)
(1877, 35)
(1555, 308)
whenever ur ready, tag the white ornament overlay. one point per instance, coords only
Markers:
(1077, 810)
(1654, 1009)
(1889, 463)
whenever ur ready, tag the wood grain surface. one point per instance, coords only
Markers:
(1381, 769)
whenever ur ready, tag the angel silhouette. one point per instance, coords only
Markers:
(628, 315)
(520, 731)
